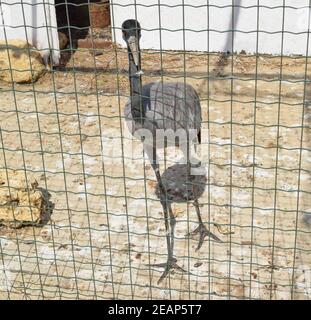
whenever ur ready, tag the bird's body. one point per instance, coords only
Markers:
(167, 105)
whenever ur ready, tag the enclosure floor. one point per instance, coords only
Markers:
(107, 222)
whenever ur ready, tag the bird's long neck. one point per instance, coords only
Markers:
(135, 80)
(138, 112)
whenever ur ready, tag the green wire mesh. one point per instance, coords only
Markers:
(105, 223)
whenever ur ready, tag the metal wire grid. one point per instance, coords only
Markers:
(127, 286)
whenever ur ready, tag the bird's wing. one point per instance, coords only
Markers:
(173, 105)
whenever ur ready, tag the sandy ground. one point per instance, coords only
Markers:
(107, 223)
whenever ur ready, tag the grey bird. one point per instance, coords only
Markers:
(162, 106)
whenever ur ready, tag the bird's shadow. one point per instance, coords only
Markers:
(180, 186)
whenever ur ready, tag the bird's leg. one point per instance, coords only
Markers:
(201, 229)
(170, 223)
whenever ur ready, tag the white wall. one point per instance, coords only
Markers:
(32, 13)
(219, 20)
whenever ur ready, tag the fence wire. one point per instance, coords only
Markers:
(80, 211)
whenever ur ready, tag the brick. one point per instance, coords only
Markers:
(99, 14)
(95, 43)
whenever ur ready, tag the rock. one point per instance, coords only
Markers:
(22, 60)
(63, 40)
(21, 202)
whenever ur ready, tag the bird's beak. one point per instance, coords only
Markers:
(133, 45)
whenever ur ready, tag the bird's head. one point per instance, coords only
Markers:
(131, 28)
(131, 33)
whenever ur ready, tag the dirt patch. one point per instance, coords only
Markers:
(68, 129)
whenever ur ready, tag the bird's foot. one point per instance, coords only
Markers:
(168, 266)
(203, 232)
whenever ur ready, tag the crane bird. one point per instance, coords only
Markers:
(161, 106)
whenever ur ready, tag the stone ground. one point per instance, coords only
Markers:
(107, 224)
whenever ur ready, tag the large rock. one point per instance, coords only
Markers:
(20, 60)
(21, 202)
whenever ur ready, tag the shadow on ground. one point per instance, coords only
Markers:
(179, 186)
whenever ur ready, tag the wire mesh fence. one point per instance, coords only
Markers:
(80, 211)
